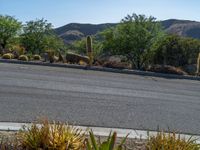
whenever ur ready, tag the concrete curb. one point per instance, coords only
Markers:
(94, 68)
(99, 131)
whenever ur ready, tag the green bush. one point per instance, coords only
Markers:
(23, 58)
(8, 56)
(37, 57)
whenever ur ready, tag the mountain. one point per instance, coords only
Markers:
(76, 31)
(184, 28)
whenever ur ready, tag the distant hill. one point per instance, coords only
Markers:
(184, 28)
(76, 31)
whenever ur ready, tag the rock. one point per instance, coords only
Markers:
(75, 58)
(190, 69)
(45, 56)
(118, 65)
(113, 58)
(116, 61)
(166, 69)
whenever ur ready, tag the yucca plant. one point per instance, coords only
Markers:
(169, 141)
(56, 136)
(64, 137)
(109, 144)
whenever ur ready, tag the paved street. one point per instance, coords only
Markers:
(95, 98)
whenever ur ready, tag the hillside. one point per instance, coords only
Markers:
(184, 28)
(76, 31)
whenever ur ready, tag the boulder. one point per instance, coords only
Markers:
(190, 69)
(166, 69)
(75, 58)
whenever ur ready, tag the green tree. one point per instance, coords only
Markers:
(133, 38)
(80, 47)
(9, 29)
(38, 36)
(176, 51)
(53, 42)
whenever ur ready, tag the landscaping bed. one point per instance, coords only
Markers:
(61, 136)
(131, 144)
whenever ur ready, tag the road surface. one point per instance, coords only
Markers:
(93, 98)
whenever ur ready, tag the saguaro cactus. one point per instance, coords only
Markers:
(89, 49)
(198, 65)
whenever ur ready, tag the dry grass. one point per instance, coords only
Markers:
(169, 141)
(56, 136)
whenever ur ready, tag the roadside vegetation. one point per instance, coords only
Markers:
(61, 136)
(137, 42)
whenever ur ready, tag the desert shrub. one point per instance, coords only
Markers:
(37, 57)
(169, 141)
(176, 51)
(30, 56)
(8, 56)
(51, 55)
(18, 49)
(109, 144)
(56, 136)
(23, 58)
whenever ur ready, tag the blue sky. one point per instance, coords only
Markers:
(61, 12)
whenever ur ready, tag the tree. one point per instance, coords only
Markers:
(38, 36)
(80, 47)
(133, 38)
(176, 51)
(9, 29)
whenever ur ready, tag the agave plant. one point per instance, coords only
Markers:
(109, 144)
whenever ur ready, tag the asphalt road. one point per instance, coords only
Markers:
(93, 98)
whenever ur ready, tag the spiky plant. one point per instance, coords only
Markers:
(109, 144)
(8, 56)
(89, 49)
(56, 136)
(169, 141)
(37, 57)
(23, 58)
